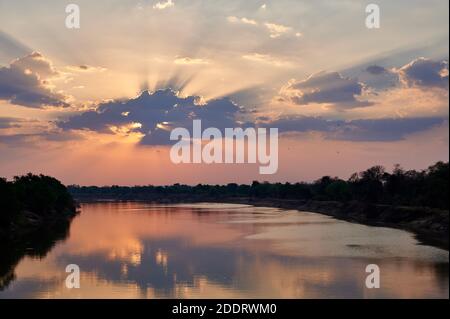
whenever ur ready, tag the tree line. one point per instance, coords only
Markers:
(428, 188)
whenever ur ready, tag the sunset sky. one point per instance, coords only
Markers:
(93, 106)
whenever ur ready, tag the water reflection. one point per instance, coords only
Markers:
(135, 250)
(36, 244)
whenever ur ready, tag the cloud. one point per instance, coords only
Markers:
(26, 82)
(233, 19)
(9, 122)
(334, 89)
(164, 5)
(389, 129)
(190, 61)
(265, 58)
(424, 72)
(376, 70)
(379, 78)
(31, 139)
(324, 88)
(20, 132)
(85, 68)
(153, 115)
(362, 130)
(276, 30)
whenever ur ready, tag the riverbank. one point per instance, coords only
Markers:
(28, 224)
(31, 203)
(431, 226)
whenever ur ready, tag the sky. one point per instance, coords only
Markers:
(95, 105)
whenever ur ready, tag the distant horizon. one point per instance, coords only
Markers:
(388, 170)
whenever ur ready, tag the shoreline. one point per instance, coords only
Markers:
(430, 226)
(29, 224)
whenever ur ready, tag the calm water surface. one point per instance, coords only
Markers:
(138, 250)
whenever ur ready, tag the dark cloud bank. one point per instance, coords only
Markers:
(163, 110)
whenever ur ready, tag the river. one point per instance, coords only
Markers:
(140, 250)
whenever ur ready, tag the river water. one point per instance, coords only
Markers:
(139, 250)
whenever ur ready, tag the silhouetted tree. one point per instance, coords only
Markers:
(38, 194)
